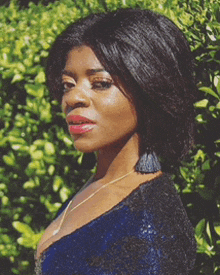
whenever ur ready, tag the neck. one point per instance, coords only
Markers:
(116, 161)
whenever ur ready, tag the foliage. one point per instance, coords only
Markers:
(40, 168)
(199, 178)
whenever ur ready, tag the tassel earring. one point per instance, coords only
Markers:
(148, 163)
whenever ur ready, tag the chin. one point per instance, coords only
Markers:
(85, 147)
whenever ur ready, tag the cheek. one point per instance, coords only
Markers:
(120, 114)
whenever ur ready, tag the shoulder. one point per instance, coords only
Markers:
(155, 195)
(161, 199)
(166, 221)
(161, 196)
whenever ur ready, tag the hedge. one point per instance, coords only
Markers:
(40, 168)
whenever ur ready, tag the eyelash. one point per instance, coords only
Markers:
(102, 84)
(97, 84)
(66, 86)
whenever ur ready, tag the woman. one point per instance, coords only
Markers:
(124, 80)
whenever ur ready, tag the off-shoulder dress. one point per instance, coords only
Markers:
(147, 233)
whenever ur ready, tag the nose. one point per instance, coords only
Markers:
(78, 97)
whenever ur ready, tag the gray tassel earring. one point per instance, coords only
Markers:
(148, 163)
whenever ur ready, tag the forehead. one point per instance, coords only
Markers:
(82, 58)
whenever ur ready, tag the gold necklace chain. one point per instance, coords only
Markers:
(89, 197)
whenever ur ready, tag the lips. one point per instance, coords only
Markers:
(79, 124)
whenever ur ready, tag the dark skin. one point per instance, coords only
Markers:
(90, 91)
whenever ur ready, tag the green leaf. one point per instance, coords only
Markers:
(49, 148)
(29, 184)
(52, 207)
(208, 231)
(51, 170)
(200, 228)
(68, 141)
(23, 228)
(39, 142)
(17, 78)
(5, 200)
(57, 183)
(38, 155)
(200, 155)
(9, 160)
(30, 241)
(209, 91)
(64, 193)
(200, 119)
(202, 103)
(80, 158)
(217, 83)
(206, 165)
(204, 247)
(16, 140)
(40, 78)
(36, 90)
(217, 229)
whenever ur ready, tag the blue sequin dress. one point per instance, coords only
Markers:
(147, 233)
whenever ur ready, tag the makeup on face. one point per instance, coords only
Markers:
(79, 124)
(98, 113)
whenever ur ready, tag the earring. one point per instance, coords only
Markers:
(148, 163)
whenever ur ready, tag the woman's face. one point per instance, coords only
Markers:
(99, 115)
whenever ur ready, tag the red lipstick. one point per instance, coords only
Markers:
(79, 124)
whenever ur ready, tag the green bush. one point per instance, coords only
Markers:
(199, 178)
(40, 168)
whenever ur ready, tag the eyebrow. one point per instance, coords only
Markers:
(94, 71)
(88, 72)
(69, 73)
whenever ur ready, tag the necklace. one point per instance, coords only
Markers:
(89, 197)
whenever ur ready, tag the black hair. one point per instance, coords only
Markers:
(151, 57)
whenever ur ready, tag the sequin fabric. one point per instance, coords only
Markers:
(147, 233)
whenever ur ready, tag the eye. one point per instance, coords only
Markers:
(101, 84)
(66, 86)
